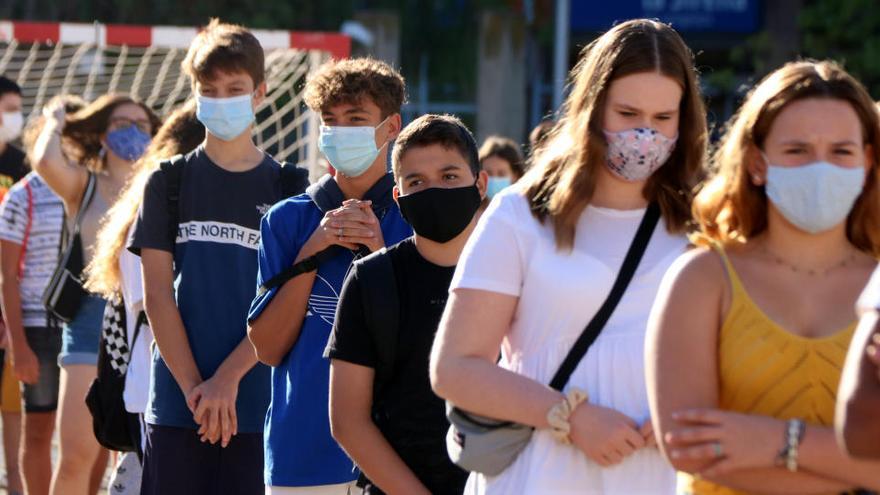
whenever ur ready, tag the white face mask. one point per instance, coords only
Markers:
(351, 150)
(13, 122)
(226, 118)
(814, 197)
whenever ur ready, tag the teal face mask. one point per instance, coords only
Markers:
(496, 185)
(351, 150)
(814, 197)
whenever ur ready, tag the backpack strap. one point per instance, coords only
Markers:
(381, 305)
(294, 180)
(173, 170)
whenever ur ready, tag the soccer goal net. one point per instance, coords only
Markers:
(89, 60)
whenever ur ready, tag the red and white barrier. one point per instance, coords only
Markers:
(337, 44)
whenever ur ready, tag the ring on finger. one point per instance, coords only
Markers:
(340, 232)
(717, 449)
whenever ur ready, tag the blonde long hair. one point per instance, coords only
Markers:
(730, 208)
(563, 179)
(180, 134)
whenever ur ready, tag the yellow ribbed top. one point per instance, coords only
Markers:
(764, 369)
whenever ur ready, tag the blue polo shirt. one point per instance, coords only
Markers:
(299, 450)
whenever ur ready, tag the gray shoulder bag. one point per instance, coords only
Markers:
(488, 446)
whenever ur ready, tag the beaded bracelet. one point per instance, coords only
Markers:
(794, 434)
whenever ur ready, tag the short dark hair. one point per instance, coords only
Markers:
(226, 48)
(351, 80)
(445, 130)
(9, 86)
(507, 150)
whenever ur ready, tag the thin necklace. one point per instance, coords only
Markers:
(850, 258)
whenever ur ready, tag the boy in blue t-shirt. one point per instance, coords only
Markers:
(340, 219)
(208, 394)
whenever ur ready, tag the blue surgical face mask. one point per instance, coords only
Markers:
(226, 118)
(128, 143)
(351, 150)
(814, 197)
(496, 185)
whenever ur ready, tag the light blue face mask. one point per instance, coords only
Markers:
(814, 197)
(351, 150)
(226, 118)
(496, 185)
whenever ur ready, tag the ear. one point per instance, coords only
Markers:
(756, 166)
(395, 193)
(869, 158)
(394, 124)
(482, 183)
(260, 94)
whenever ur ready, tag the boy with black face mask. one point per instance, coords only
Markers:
(382, 409)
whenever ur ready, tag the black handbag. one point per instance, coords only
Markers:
(65, 293)
(115, 428)
(488, 446)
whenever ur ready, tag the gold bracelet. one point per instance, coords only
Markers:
(559, 414)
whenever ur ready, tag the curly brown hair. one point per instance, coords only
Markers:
(351, 80)
(226, 48)
(84, 129)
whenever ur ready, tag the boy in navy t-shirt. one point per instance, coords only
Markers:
(339, 219)
(208, 394)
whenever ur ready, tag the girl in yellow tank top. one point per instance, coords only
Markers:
(749, 332)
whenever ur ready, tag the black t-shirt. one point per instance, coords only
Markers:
(411, 417)
(12, 167)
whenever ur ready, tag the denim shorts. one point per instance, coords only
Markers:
(80, 337)
(46, 344)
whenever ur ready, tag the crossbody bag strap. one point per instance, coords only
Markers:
(624, 277)
(88, 196)
(27, 227)
(141, 320)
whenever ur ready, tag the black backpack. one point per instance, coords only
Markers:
(294, 181)
(115, 428)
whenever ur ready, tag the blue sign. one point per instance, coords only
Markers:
(730, 16)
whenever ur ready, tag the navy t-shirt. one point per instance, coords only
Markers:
(299, 448)
(215, 265)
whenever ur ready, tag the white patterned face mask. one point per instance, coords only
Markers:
(635, 154)
(814, 197)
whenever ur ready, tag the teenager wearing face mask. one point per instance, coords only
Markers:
(97, 143)
(503, 161)
(12, 159)
(12, 168)
(208, 394)
(749, 334)
(398, 439)
(340, 219)
(544, 258)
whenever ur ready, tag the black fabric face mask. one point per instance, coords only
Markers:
(440, 214)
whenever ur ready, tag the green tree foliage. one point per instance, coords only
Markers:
(847, 31)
